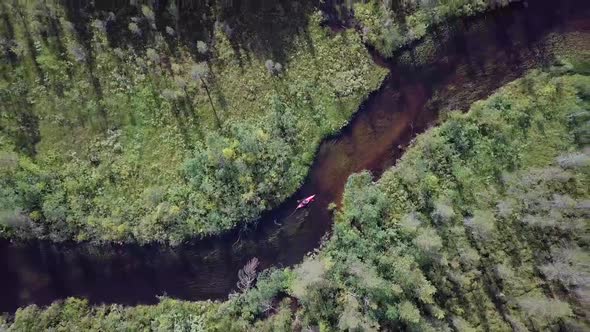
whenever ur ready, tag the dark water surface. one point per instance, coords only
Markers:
(465, 63)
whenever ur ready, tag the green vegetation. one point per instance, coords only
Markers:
(482, 225)
(129, 127)
(389, 25)
(469, 230)
(121, 128)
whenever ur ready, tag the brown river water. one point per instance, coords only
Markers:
(464, 62)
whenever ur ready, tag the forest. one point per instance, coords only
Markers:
(471, 231)
(141, 136)
(148, 125)
(142, 124)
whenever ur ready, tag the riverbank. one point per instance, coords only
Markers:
(177, 149)
(434, 226)
(122, 129)
(41, 272)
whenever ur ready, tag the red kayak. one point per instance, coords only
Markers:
(304, 202)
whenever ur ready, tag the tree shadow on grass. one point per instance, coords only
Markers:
(264, 28)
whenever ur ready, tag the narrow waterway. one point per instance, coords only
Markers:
(450, 69)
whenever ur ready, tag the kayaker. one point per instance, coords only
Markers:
(304, 202)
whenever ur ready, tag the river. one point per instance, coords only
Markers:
(450, 69)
